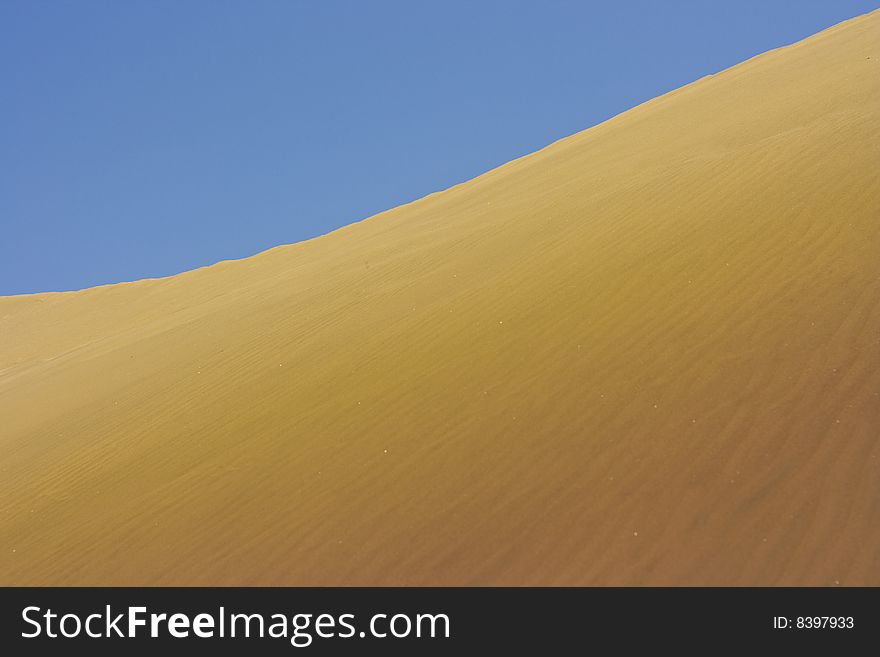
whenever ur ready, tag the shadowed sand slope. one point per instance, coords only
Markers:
(647, 354)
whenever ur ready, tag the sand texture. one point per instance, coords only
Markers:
(646, 354)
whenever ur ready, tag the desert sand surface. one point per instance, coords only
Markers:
(648, 354)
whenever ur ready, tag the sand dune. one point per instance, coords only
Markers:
(647, 354)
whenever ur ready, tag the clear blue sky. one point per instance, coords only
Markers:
(144, 138)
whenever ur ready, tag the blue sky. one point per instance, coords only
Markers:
(141, 139)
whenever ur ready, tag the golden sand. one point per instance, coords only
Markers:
(647, 354)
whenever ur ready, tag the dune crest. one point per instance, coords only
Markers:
(646, 354)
